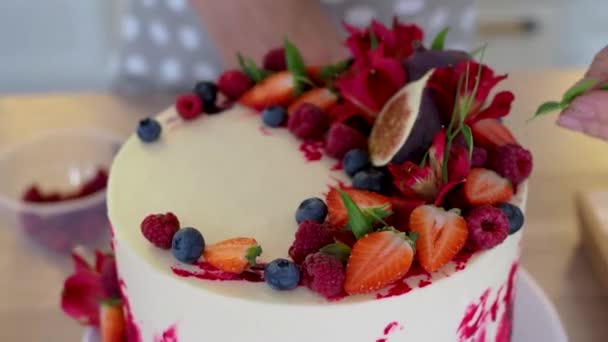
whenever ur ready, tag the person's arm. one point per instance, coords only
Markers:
(588, 113)
(252, 27)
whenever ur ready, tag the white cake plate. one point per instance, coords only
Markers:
(535, 316)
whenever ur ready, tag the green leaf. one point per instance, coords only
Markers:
(111, 302)
(252, 254)
(338, 249)
(331, 71)
(250, 69)
(357, 222)
(546, 108)
(373, 40)
(439, 40)
(479, 50)
(468, 139)
(296, 66)
(604, 86)
(578, 89)
(376, 214)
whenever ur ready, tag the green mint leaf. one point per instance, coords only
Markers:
(439, 40)
(373, 40)
(376, 214)
(357, 222)
(468, 139)
(296, 66)
(339, 250)
(411, 238)
(546, 108)
(604, 86)
(577, 90)
(252, 254)
(332, 71)
(250, 69)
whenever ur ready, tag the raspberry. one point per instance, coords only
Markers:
(189, 106)
(488, 226)
(308, 122)
(480, 156)
(233, 83)
(324, 274)
(513, 162)
(274, 60)
(159, 229)
(341, 139)
(310, 237)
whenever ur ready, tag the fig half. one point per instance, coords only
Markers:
(406, 125)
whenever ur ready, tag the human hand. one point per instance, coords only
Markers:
(588, 113)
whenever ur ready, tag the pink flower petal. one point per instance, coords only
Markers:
(81, 295)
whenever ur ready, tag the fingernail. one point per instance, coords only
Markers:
(567, 121)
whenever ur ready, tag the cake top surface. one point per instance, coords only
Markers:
(347, 178)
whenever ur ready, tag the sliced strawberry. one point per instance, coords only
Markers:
(491, 133)
(441, 235)
(485, 186)
(378, 259)
(276, 89)
(402, 209)
(338, 217)
(233, 255)
(320, 97)
(314, 74)
(112, 321)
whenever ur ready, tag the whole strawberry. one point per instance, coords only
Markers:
(159, 229)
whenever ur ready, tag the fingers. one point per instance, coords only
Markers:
(587, 114)
(599, 66)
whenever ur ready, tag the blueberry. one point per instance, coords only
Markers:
(312, 209)
(187, 245)
(354, 161)
(515, 216)
(371, 180)
(282, 274)
(274, 116)
(207, 91)
(148, 130)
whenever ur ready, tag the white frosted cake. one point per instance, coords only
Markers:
(350, 210)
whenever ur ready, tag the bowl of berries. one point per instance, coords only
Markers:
(52, 188)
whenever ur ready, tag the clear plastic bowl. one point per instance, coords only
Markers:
(58, 161)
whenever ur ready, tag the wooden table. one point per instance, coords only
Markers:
(564, 163)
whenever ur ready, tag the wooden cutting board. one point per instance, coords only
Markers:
(593, 216)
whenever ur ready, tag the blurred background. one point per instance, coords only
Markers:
(88, 45)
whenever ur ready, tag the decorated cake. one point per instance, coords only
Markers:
(379, 198)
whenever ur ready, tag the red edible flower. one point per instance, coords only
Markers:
(399, 41)
(445, 83)
(84, 289)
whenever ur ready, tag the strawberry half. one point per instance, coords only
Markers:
(112, 321)
(491, 133)
(233, 255)
(378, 259)
(337, 216)
(441, 235)
(320, 97)
(276, 89)
(485, 186)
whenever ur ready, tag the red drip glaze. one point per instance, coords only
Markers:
(462, 258)
(494, 307)
(389, 329)
(337, 166)
(313, 150)
(133, 332)
(208, 272)
(424, 282)
(473, 318)
(506, 322)
(264, 130)
(169, 335)
(397, 289)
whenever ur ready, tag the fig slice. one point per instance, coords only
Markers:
(406, 125)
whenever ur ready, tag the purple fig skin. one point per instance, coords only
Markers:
(419, 63)
(426, 126)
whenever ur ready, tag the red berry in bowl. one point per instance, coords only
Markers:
(488, 226)
(233, 84)
(308, 122)
(189, 106)
(159, 229)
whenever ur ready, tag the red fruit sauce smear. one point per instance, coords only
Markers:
(207, 272)
(312, 150)
(479, 314)
(33, 194)
(402, 287)
(169, 335)
(389, 329)
(133, 332)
